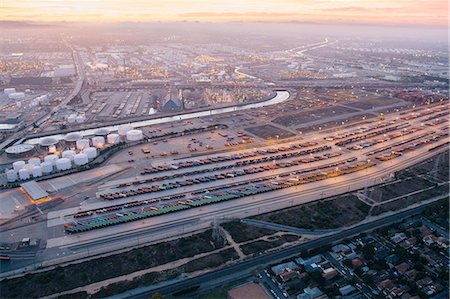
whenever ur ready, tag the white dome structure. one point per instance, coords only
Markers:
(102, 132)
(63, 164)
(81, 159)
(18, 165)
(34, 161)
(82, 144)
(123, 129)
(11, 176)
(47, 167)
(113, 138)
(91, 152)
(73, 137)
(98, 141)
(68, 154)
(24, 174)
(51, 158)
(37, 171)
(134, 135)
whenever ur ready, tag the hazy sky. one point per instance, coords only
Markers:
(421, 12)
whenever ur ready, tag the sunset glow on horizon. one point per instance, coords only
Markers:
(400, 12)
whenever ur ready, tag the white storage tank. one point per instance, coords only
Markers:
(11, 176)
(71, 118)
(123, 129)
(24, 174)
(134, 135)
(80, 119)
(18, 165)
(47, 167)
(81, 159)
(63, 164)
(82, 144)
(113, 138)
(72, 138)
(98, 141)
(91, 152)
(37, 171)
(70, 154)
(34, 161)
(102, 132)
(52, 158)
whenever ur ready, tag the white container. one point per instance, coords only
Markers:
(34, 161)
(81, 159)
(113, 138)
(18, 165)
(63, 164)
(47, 167)
(11, 176)
(82, 144)
(16, 96)
(52, 158)
(134, 135)
(37, 171)
(24, 174)
(9, 91)
(123, 129)
(70, 154)
(91, 152)
(98, 141)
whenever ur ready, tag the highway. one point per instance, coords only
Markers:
(251, 264)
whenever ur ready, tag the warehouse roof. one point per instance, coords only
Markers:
(33, 190)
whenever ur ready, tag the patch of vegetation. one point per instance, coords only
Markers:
(241, 232)
(210, 261)
(75, 275)
(262, 245)
(325, 214)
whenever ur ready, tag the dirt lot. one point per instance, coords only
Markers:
(374, 102)
(325, 214)
(269, 132)
(310, 116)
(436, 167)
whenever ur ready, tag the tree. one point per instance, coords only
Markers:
(157, 296)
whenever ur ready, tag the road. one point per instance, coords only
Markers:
(248, 266)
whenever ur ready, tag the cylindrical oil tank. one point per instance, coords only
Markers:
(72, 138)
(102, 132)
(71, 118)
(37, 171)
(11, 176)
(18, 165)
(82, 144)
(24, 174)
(63, 164)
(91, 152)
(68, 154)
(123, 129)
(51, 158)
(98, 141)
(47, 167)
(113, 138)
(34, 161)
(81, 159)
(134, 135)
(80, 119)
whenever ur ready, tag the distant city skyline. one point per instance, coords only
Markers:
(400, 12)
